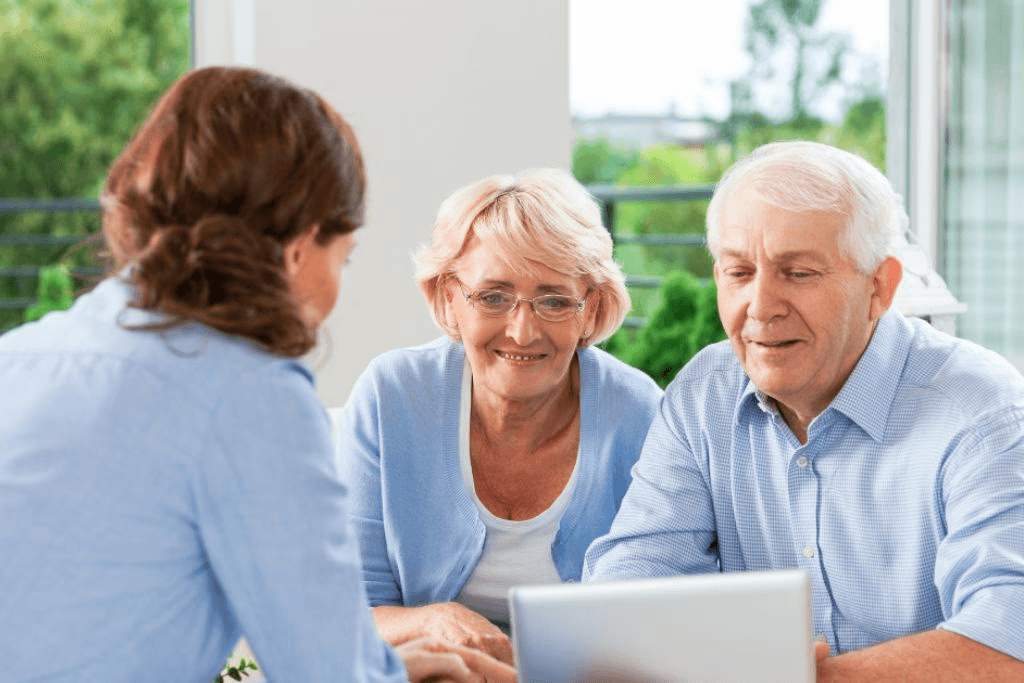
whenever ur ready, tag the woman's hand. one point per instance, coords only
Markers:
(430, 660)
(446, 621)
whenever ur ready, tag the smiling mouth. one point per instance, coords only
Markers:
(776, 344)
(519, 357)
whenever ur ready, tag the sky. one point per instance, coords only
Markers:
(647, 56)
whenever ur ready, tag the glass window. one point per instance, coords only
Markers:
(77, 78)
(982, 239)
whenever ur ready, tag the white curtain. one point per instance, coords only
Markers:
(983, 245)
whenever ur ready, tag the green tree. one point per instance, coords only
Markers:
(55, 292)
(668, 165)
(777, 28)
(599, 162)
(863, 130)
(685, 322)
(77, 78)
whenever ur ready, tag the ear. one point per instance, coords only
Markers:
(884, 283)
(449, 315)
(590, 317)
(296, 252)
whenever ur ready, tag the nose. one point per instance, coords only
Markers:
(523, 326)
(765, 301)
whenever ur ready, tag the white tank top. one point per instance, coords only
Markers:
(516, 553)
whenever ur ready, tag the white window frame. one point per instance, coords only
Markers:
(915, 153)
(916, 113)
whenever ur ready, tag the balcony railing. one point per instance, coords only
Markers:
(16, 268)
(609, 196)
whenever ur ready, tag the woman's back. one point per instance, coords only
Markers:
(132, 462)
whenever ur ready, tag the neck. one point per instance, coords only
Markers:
(797, 422)
(799, 414)
(531, 422)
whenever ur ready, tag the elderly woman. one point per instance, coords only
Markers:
(167, 480)
(493, 457)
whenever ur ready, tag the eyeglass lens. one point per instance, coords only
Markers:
(553, 307)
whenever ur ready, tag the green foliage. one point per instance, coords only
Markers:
(236, 671)
(816, 66)
(664, 165)
(598, 162)
(863, 130)
(685, 322)
(55, 292)
(77, 78)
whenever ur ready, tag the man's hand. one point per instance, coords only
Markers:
(935, 656)
(446, 621)
(429, 659)
(821, 651)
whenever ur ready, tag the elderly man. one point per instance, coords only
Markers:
(881, 456)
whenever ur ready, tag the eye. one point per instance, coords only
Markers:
(737, 273)
(555, 302)
(492, 297)
(801, 274)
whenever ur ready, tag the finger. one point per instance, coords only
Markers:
(480, 662)
(821, 651)
(423, 667)
(491, 668)
(428, 644)
(498, 646)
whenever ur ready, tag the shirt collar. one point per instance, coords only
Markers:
(867, 395)
(752, 399)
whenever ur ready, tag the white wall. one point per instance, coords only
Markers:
(440, 93)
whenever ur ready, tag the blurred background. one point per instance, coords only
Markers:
(647, 101)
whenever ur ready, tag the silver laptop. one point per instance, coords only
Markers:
(738, 627)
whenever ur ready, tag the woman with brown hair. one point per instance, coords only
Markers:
(167, 482)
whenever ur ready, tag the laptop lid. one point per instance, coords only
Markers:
(735, 627)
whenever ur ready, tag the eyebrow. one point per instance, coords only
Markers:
(498, 284)
(786, 256)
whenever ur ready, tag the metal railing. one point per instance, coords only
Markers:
(14, 240)
(61, 205)
(609, 196)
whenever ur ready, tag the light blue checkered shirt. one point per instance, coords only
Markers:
(905, 506)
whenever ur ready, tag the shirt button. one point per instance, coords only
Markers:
(808, 551)
(801, 461)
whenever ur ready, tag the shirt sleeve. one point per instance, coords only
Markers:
(665, 525)
(979, 567)
(273, 521)
(358, 454)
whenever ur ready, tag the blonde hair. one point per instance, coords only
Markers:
(539, 217)
(811, 176)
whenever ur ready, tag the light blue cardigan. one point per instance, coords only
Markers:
(418, 529)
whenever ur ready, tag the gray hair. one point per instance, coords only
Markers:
(539, 217)
(811, 176)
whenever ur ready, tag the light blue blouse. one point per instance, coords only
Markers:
(162, 494)
(419, 530)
